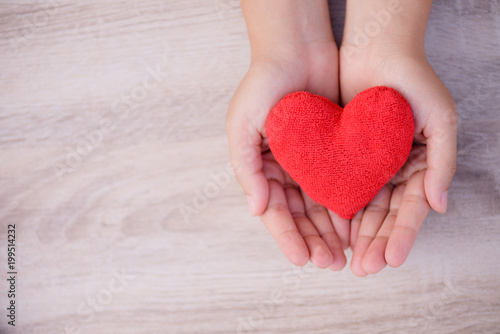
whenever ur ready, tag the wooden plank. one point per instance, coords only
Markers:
(150, 227)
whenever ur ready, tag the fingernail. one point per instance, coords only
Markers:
(444, 201)
(251, 204)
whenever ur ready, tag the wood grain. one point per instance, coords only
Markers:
(124, 225)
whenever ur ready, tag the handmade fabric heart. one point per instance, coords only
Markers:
(342, 157)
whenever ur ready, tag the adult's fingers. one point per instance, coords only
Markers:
(441, 139)
(413, 210)
(280, 223)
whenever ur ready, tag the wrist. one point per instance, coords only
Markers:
(387, 26)
(287, 28)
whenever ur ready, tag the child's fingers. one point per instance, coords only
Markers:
(441, 142)
(320, 254)
(373, 216)
(319, 217)
(358, 252)
(413, 210)
(354, 229)
(374, 260)
(281, 225)
(342, 227)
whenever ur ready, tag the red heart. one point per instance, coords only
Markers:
(342, 157)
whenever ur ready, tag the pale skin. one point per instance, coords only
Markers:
(293, 49)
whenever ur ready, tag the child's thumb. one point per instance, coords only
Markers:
(246, 158)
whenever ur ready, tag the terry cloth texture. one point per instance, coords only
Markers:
(342, 157)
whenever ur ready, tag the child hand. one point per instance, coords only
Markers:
(303, 229)
(292, 49)
(385, 231)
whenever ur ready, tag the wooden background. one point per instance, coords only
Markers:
(119, 223)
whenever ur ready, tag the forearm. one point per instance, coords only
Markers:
(400, 22)
(274, 24)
